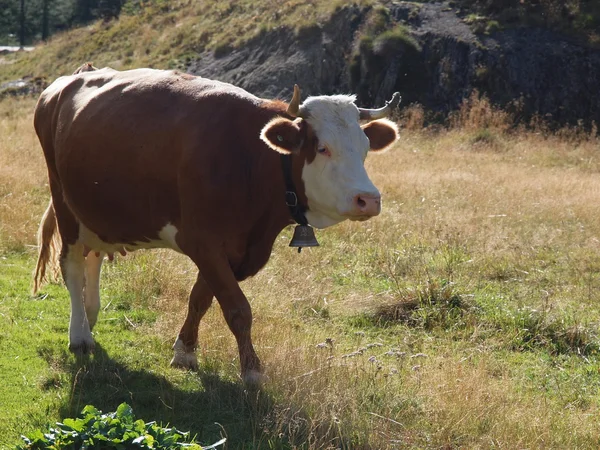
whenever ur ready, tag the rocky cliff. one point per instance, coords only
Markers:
(438, 66)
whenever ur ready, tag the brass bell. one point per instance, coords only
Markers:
(304, 236)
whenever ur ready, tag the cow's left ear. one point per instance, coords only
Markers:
(283, 135)
(381, 133)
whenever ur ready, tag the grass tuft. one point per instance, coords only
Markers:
(436, 305)
(393, 41)
(534, 329)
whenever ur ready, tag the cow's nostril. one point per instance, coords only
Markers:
(367, 205)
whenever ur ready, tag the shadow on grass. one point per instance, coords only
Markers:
(208, 406)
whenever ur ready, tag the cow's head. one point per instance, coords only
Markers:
(328, 139)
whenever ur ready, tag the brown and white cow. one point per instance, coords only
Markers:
(149, 158)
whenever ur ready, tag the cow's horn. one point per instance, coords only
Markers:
(373, 114)
(294, 106)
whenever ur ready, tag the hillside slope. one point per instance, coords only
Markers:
(434, 53)
(425, 51)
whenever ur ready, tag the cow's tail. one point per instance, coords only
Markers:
(49, 243)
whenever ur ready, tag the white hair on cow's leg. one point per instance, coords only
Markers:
(254, 378)
(184, 357)
(91, 297)
(80, 335)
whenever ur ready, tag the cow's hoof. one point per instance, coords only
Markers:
(82, 347)
(254, 378)
(183, 357)
(186, 361)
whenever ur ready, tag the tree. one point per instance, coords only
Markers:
(26, 21)
(84, 10)
(109, 9)
(45, 19)
(22, 24)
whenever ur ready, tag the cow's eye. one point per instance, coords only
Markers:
(324, 151)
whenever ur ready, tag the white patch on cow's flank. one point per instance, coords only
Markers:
(166, 239)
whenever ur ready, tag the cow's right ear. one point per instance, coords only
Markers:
(283, 135)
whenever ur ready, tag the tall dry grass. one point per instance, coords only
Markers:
(503, 221)
(23, 181)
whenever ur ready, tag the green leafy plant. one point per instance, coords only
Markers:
(115, 430)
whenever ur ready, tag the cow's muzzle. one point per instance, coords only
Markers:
(365, 206)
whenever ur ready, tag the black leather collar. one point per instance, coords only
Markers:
(297, 210)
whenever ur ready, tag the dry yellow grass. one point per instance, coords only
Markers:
(23, 180)
(508, 220)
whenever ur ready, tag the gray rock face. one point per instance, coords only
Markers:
(23, 86)
(554, 76)
(269, 65)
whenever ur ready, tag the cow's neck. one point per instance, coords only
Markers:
(274, 217)
(292, 199)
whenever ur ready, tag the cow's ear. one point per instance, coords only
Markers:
(381, 133)
(283, 135)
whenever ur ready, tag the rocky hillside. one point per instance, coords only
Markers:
(434, 52)
(425, 51)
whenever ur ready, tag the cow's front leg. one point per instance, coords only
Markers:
(187, 341)
(238, 314)
(217, 272)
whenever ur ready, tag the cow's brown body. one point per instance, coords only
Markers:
(146, 158)
(187, 155)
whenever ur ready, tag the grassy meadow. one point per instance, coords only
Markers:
(465, 316)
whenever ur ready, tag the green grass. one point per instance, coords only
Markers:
(42, 382)
(479, 320)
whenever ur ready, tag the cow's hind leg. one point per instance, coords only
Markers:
(72, 264)
(93, 266)
(187, 341)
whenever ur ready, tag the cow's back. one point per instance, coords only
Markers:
(116, 141)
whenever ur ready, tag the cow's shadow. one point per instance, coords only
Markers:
(210, 407)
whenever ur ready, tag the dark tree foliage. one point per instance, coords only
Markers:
(46, 17)
(9, 21)
(109, 9)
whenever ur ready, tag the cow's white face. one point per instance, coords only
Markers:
(335, 147)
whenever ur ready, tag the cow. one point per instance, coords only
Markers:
(150, 158)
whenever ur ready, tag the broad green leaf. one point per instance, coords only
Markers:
(116, 430)
(139, 426)
(90, 410)
(125, 413)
